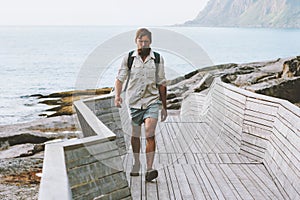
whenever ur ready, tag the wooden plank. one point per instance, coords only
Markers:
(127, 163)
(143, 180)
(254, 140)
(204, 182)
(228, 103)
(224, 106)
(261, 115)
(267, 124)
(222, 182)
(202, 157)
(213, 158)
(260, 105)
(212, 181)
(232, 138)
(168, 143)
(245, 159)
(261, 172)
(195, 186)
(136, 187)
(288, 132)
(238, 187)
(287, 150)
(174, 182)
(200, 143)
(247, 182)
(187, 136)
(190, 158)
(250, 152)
(224, 158)
(183, 184)
(285, 172)
(290, 116)
(231, 93)
(270, 166)
(151, 190)
(169, 183)
(234, 158)
(264, 183)
(257, 130)
(164, 190)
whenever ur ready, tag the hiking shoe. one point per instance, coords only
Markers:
(135, 171)
(151, 174)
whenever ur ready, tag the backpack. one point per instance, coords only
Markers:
(130, 62)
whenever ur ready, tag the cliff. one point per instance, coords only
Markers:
(249, 13)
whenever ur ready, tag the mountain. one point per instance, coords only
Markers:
(249, 13)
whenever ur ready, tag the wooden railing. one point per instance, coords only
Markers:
(259, 127)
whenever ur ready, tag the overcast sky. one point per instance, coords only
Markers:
(98, 12)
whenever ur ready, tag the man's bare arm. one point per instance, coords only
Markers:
(163, 97)
(118, 90)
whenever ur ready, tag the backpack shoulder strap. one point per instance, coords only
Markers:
(130, 60)
(156, 61)
(129, 65)
(157, 57)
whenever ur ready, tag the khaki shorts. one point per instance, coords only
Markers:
(138, 116)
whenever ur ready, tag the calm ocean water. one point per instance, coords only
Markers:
(42, 60)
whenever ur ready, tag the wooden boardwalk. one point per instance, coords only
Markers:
(194, 162)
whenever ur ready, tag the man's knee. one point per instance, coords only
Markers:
(136, 131)
(150, 138)
(135, 138)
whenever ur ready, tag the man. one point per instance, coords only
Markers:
(146, 92)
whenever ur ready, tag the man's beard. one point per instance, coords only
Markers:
(143, 52)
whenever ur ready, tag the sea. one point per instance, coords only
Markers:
(47, 59)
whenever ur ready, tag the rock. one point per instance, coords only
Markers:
(288, 89)
(21, 162)
(16, 151)
(38, 132)
(74, 93)
(291, 68)
(277, 78)
(19, 178)
(63, 101)
(26, 138)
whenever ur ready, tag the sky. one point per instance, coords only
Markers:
(98, 12)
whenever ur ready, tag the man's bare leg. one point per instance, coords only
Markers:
(150, 126)
(136, 148)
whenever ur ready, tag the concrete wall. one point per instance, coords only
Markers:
(90, 167)
(104, 110)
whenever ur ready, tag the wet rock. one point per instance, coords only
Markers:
(63, 101)
(291, 68)
(288, 89)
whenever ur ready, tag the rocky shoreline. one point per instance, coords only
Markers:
(22, 145)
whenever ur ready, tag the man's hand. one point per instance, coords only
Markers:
(164, 114)
(118, 102)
